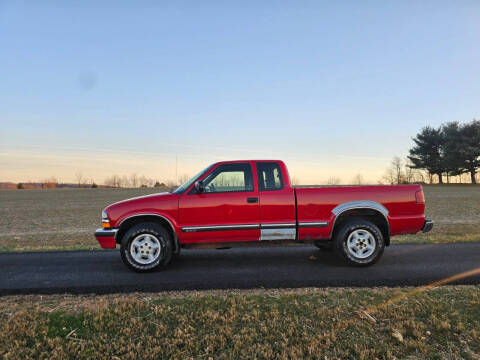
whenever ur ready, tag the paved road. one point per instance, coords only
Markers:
(269, 267)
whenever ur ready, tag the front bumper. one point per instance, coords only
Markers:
(106, 238)
(427, 225)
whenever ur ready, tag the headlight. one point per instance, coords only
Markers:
(105, 221)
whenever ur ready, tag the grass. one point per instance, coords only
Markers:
(41, 220)
(443, 323)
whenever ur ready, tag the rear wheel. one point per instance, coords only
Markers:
(359, 242)
(145, 247)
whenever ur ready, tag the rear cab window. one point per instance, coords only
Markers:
(269, 176)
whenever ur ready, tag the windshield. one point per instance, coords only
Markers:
(182, 188)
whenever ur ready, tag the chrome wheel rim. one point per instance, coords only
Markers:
(361, 243)
(145, 249)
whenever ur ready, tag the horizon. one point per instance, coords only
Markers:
(332, 89)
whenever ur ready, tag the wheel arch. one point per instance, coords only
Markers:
(135, 219)
(365, 209)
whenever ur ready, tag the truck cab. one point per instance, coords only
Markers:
(239, 201)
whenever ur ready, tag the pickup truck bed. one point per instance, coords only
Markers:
(396, 203)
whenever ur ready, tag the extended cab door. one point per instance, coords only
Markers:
(277, 201)
(228, 209)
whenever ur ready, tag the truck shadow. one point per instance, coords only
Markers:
(256, 259)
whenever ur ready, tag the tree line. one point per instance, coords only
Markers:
(118, 181)
(452, 149)
(134, 181)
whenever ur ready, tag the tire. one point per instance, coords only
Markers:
(146, 247)
(359, 242)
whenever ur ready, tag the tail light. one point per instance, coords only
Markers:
(420, 197)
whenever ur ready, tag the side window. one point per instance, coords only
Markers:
(230, 178)
(269, 176)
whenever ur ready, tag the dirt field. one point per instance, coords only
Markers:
(398, 323)
(66, 219)
(443, 323)
(456, 212)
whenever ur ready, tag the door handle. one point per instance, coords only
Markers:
(252, 200)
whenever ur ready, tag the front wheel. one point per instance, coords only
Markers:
(145, 247)
(359, 242)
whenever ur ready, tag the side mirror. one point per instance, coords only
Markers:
(199, 187)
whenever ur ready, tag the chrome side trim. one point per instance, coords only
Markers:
(176, 241)
(310, 224)
(278, 226)
(220, 227)
(360, 204)
(239, 227)
(278, 234)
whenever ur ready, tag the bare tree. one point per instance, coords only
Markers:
(108, 181)
(400, 172)
(410, 173)
(388, 177)
(79, 178)
(134, 180)
(358, 180)
(124, 181)
(333, 180)
(143, 181)
(397, 168)
(114, 181)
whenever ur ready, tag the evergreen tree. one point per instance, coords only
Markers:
(469, 144)
(452, 150)
(428, 151)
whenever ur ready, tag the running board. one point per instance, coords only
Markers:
(220, 245)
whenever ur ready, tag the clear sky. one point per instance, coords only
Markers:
(333, 88)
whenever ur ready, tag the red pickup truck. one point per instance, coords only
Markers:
(252, 202)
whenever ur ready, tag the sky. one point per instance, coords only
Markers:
(162, 88)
